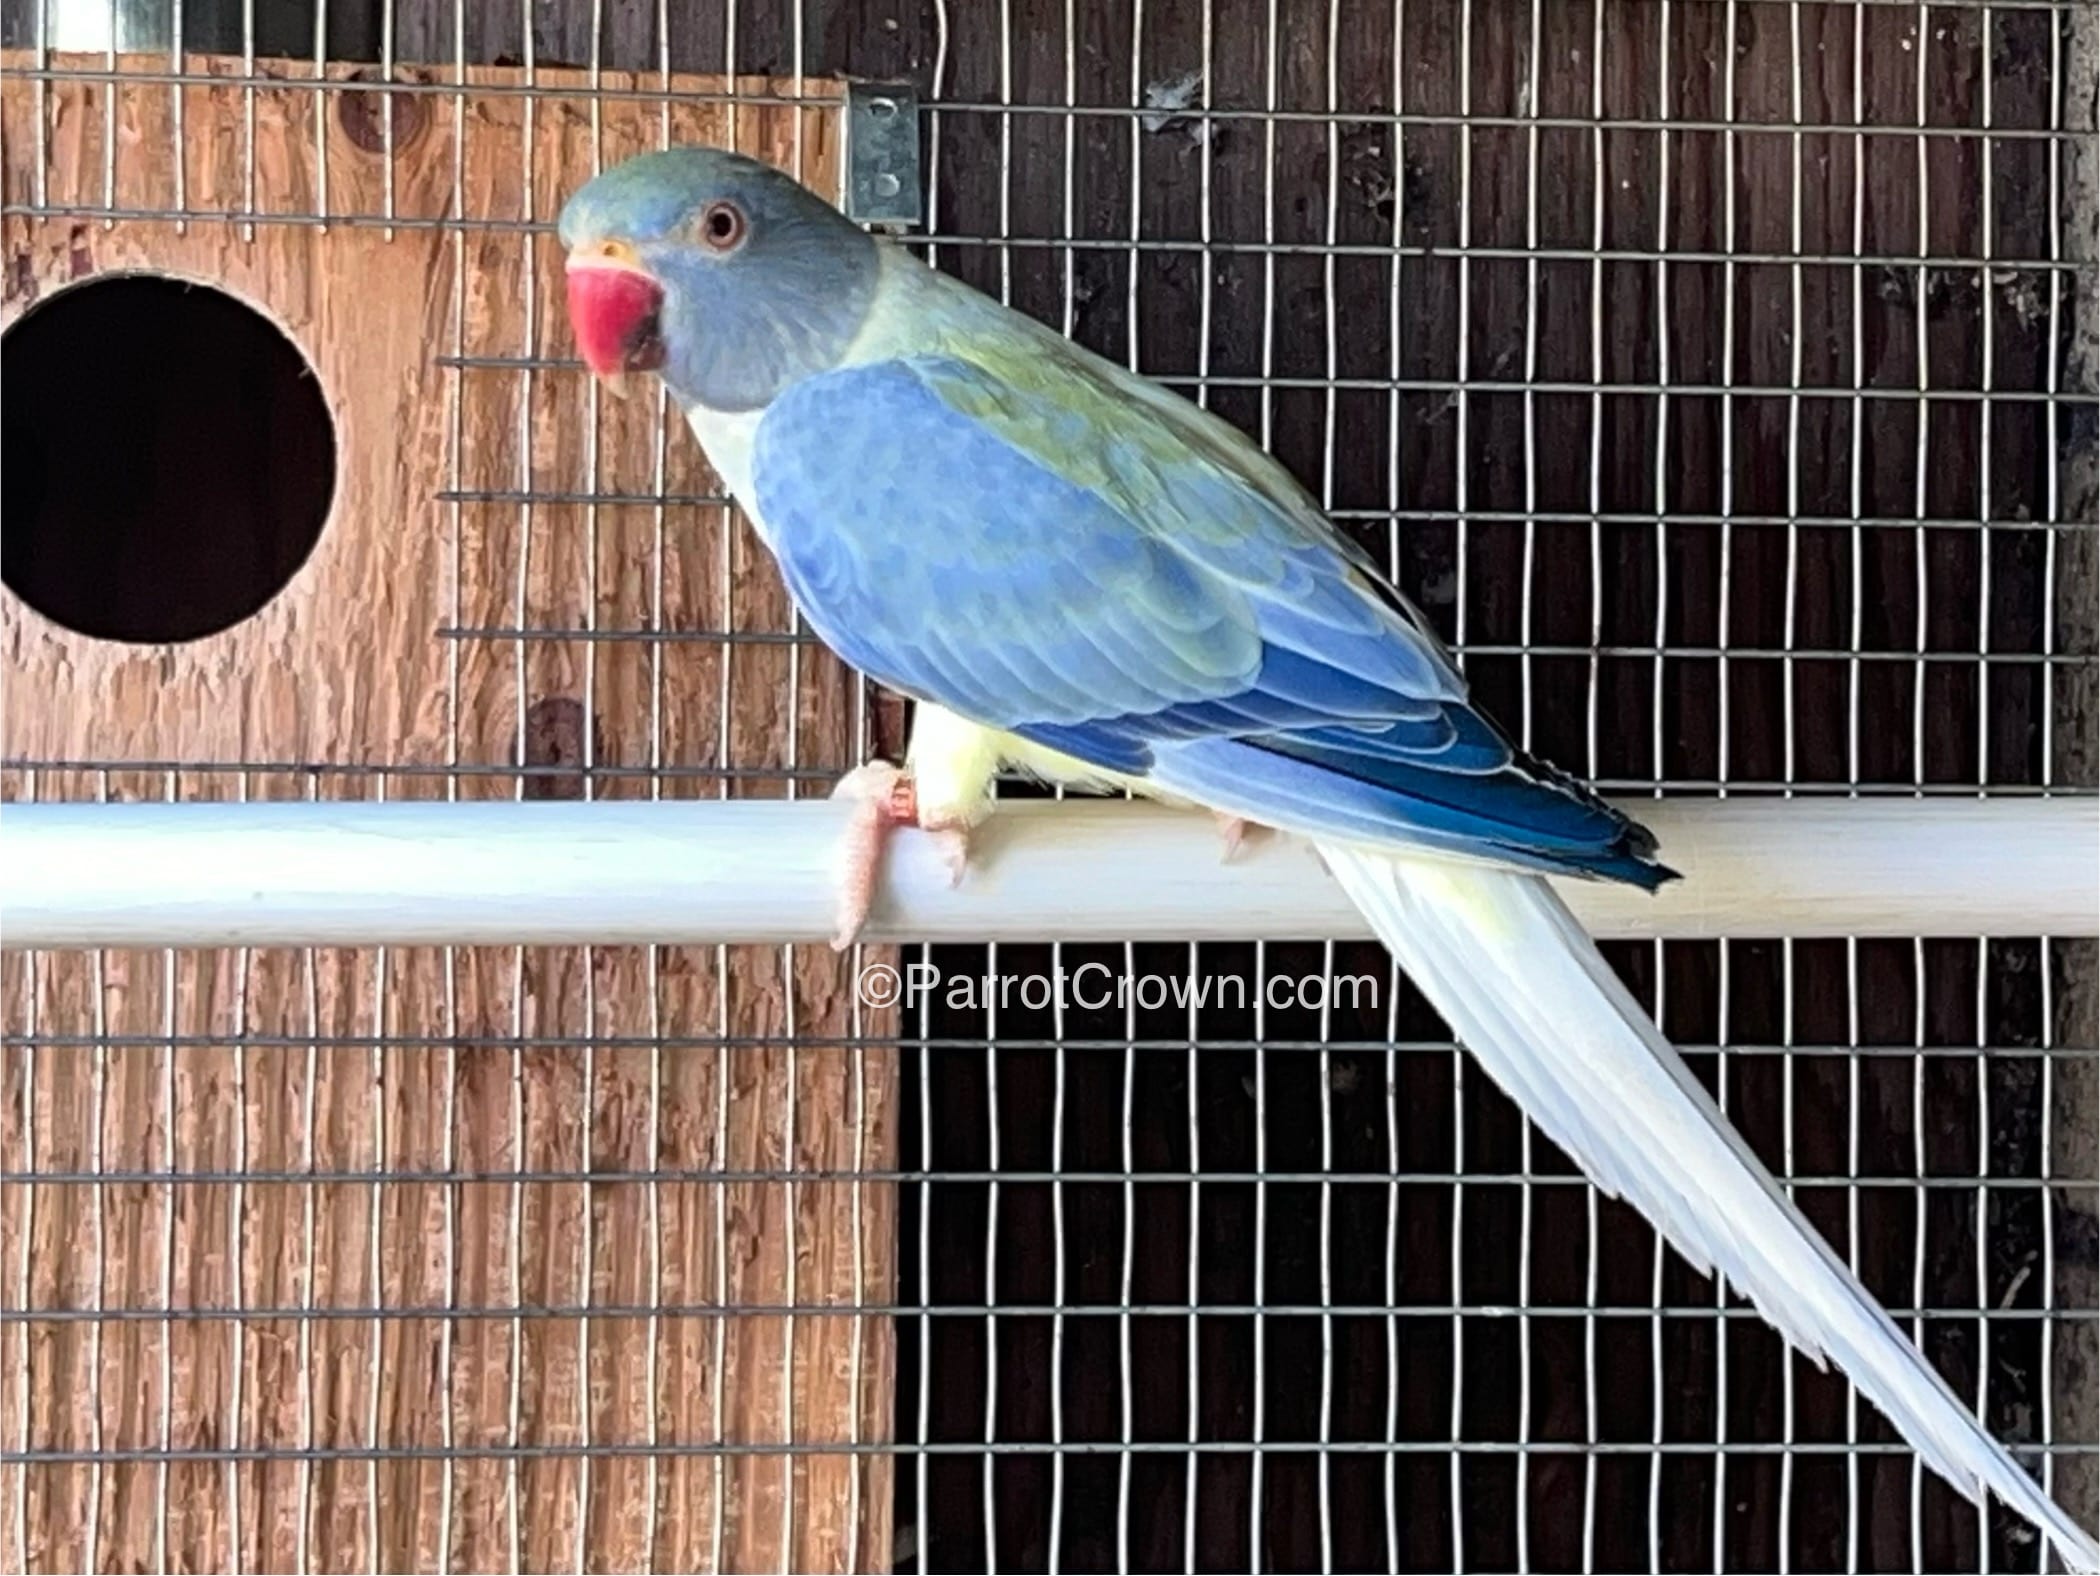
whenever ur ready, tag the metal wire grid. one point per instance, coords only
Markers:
(175, 1182)
(1311, 1540)
(1002, 81)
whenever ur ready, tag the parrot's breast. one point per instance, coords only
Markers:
(727, 437)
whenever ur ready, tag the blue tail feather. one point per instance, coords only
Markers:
(1326, 781)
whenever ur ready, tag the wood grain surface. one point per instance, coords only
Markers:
(515, 1136)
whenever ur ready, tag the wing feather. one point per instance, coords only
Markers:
(1086, 571)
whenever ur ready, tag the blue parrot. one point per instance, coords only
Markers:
(1079, 575)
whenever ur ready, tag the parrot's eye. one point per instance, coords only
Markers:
(722, 227)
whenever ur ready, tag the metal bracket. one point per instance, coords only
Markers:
(882, 153)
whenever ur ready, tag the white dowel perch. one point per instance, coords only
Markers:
(364, 874)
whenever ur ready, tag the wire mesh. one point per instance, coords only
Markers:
(1718, 376)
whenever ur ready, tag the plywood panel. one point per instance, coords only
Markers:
(391, 1185)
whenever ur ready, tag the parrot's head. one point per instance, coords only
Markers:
(723, 274)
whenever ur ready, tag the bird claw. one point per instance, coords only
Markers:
(952, 840)
(885, 797)
(1233, 829)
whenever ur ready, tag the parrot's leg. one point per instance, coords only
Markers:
(884, 796)
(944, 789)
(1233, 830)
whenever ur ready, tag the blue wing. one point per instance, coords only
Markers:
(1073, 571)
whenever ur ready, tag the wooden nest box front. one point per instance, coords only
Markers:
(506, 1250)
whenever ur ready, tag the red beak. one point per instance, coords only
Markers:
(612, 311)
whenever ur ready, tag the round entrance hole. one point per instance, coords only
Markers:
(169, 459)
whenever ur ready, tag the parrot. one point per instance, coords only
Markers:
(1079, 576)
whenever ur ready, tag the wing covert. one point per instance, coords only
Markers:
(1131, 582)
(1047, 559)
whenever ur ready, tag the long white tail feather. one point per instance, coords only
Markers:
(1524, 988)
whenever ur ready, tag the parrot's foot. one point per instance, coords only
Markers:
(1234, 831)
(884, 797)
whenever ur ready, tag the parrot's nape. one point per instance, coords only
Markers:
(1080, 575)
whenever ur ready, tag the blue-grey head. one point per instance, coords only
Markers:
(720, 273)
